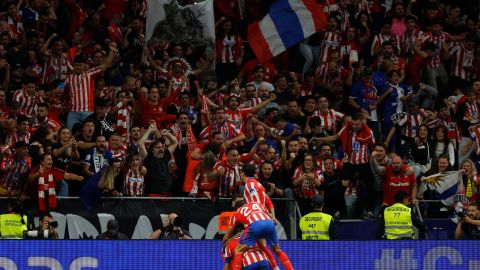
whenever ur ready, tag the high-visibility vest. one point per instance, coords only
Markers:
(314, 226)
(11, 226)
(398, 222)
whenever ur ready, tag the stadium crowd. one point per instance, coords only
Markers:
(387, 93)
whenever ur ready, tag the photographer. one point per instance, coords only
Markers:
(48, 224)
(171, 229)
(468, 227)
(112, 232)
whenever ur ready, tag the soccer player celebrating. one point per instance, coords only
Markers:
(259, 227)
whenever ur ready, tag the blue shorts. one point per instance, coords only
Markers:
(258, 230)
(262, 265)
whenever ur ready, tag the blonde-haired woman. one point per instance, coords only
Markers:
(100, 185)
(468, 188)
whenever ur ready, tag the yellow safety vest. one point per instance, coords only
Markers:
(11, 226)
(398, 222)
(314, 226)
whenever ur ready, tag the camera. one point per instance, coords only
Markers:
(177, 222)
(462, 214)
(36, 234)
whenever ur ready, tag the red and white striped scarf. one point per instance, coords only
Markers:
(49, 187)
(191, 139)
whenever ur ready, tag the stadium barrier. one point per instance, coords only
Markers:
(140, 216)
(202, 254)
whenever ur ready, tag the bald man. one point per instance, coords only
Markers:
(397, 177)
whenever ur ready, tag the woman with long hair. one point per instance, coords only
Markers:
(208, 176)
(64, 151)
(443, 146)
(469, 184)
(100, 184)
(134, 177)
(307, 178)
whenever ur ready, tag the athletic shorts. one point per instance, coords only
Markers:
(258, 230)
(261, 265)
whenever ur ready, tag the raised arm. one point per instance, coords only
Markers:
(171, 138)
(381, 170)
(141, 143)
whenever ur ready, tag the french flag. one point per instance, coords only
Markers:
(287, 23)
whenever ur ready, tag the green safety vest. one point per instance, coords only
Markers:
(11, 226)
(314, 226)
(398, 222)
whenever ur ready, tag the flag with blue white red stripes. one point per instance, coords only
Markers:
(287, 23)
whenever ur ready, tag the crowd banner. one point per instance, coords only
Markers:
(138, 218)
(168, 21)
(202, 254)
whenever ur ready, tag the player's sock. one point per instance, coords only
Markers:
(284, 260)
(237, 263)
(271, 258)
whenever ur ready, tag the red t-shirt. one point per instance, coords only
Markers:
(394, 183)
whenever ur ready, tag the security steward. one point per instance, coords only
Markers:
(13, 224)
(317, 225)
(399, 220)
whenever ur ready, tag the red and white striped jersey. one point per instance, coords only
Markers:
(255, 193)
(231, 180)
(14, 137)
(450, 124)
(344, 19)
(47, 122)
(250, 256)
(307, 188)
(329, 6)
(238, 117)
(228, 49)
(435, 61)
(134, 183)
(380, 38)
(413, 122)
(15, 26)
(56, 67)
(357, 144)
(329, 120)
(228, 130)
(27, 103)
(334, 77)
(250, 213)
(123, 119)
(462, 61)
(13, 172)
(80, 87)
(253, 102)
(398, 63)
(408, 40)
(117, 153)
(331, 42)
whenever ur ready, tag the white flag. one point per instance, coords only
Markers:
(168, 21)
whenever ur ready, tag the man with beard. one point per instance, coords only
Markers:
(158, 161)
(97, 158)
(357, 139)
(42, 120)
(187, 142)
(264, 94)
(397, 178)
(237, 116)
